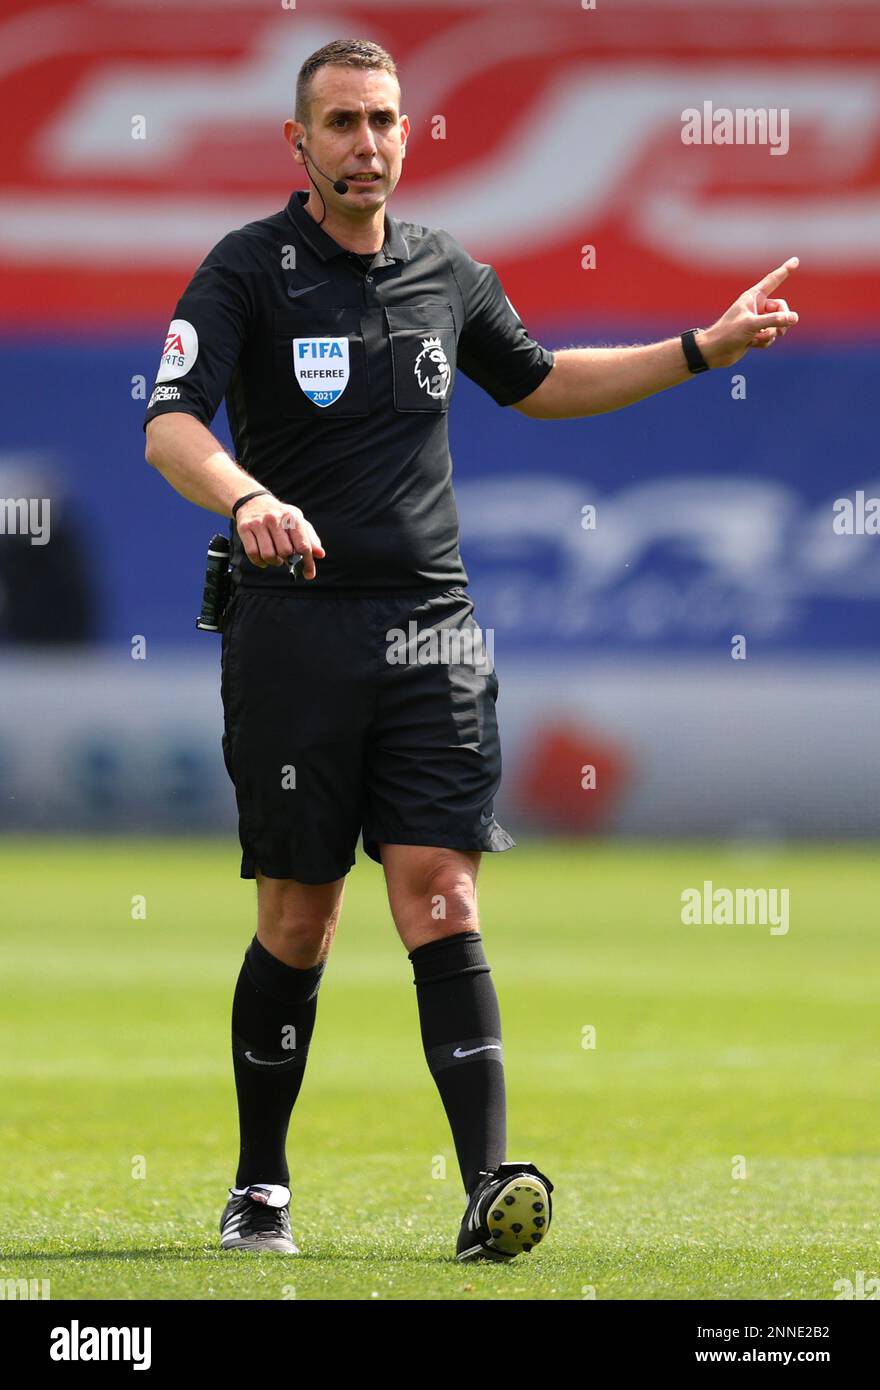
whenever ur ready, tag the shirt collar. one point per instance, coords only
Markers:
(394, 247)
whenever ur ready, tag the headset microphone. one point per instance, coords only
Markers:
(339, 185)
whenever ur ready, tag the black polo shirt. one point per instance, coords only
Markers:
(338, 372)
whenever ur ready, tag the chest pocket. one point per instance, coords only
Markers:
(422, 338)
(320, 363)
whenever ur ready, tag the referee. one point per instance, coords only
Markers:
(356, 691)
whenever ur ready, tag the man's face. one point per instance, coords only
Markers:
(355, 128)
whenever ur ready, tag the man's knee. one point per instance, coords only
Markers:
(296, 921)
(452, 892)
(432, 891)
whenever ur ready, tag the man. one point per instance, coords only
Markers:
(335, 333)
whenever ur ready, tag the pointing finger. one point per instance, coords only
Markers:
(775, 277)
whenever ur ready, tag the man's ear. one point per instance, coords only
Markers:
(292, 138)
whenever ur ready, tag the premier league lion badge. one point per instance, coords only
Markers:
(432, 368)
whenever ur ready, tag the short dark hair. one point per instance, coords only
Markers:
(349, 53)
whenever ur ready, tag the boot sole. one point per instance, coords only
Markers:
(517, 1221)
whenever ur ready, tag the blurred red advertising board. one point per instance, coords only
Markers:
(135, 135)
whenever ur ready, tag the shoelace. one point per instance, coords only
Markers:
(257, 1216)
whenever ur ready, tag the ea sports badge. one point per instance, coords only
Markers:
(321, 367)
(180, 351)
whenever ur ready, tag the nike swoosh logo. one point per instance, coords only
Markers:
(471, 1050)
(260, 1063)
(295, 294)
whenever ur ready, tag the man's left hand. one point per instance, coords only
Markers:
(756, 319)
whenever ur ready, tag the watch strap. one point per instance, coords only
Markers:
(694, 358)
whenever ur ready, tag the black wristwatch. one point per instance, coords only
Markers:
(695, 359)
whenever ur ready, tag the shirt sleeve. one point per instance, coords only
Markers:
(204, 339)
(494, 347)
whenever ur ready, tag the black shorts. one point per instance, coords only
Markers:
(325, 736)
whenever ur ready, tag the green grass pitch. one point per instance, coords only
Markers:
(711, 1042)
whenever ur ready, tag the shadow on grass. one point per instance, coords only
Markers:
(163, 1254)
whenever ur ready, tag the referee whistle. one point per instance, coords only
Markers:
(215, 594)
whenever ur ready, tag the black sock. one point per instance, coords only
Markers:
(273, 1014)
(458, 1012)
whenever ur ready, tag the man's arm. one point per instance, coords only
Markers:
(199, 468)
(195, 463)
(213, 318)
(591, 381)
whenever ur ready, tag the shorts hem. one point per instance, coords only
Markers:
(250, 863)
(494, 841)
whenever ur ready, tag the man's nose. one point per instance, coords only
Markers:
(366, 144)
